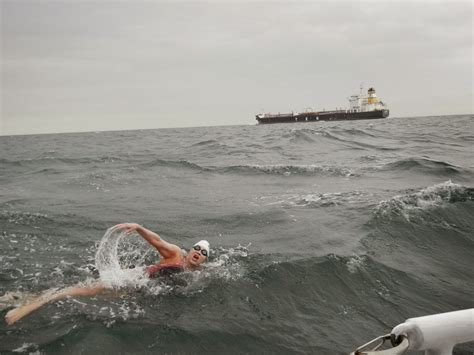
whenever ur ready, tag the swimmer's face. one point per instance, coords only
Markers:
(196, 256)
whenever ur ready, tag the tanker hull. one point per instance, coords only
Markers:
(322, 116)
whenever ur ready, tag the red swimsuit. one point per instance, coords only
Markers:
(164, 269)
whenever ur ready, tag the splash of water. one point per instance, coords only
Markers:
(120, 259)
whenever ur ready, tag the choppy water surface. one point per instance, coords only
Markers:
(324, 235)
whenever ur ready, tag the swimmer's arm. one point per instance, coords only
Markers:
(167, 250)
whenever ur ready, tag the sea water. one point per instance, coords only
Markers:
(323, 235)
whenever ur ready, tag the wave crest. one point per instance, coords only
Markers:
(429, 197)
(287, 170)
(424, 165)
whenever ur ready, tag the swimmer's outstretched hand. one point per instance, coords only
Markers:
(128, 228)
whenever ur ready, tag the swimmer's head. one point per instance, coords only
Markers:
(199, 253)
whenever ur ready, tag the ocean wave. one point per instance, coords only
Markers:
(354, 132)
(316, 200)
(24, 218)
(179, 164)
(307, 134)
(465, 137)
(342, 282)
(278, 169)
(424, 165)
(212, 147)
(300, 135)
(288, 170)
(7, 162)
(332, 199)
(103, 180)
(335, 281)
(211, 144)
(427, 233)
(52, 161)
(427, 198)
(206, 143)
(357, 141)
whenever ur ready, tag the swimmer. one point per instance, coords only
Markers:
(172, 260)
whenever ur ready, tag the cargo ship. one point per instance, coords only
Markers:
(362, 107)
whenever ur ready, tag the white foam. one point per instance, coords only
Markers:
(429, 197)
(15, 299)
(317, 199)
(288, 170)
(26, 347)
(115, 248)
(355, 263)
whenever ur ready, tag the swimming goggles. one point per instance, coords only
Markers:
(198, 248)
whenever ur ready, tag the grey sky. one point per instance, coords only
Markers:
(72, 66)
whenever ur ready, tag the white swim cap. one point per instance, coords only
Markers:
(204, 244)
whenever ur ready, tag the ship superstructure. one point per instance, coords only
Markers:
(361, 103)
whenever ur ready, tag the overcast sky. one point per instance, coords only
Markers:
(69, 66)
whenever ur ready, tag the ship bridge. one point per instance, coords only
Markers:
(366, 103)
